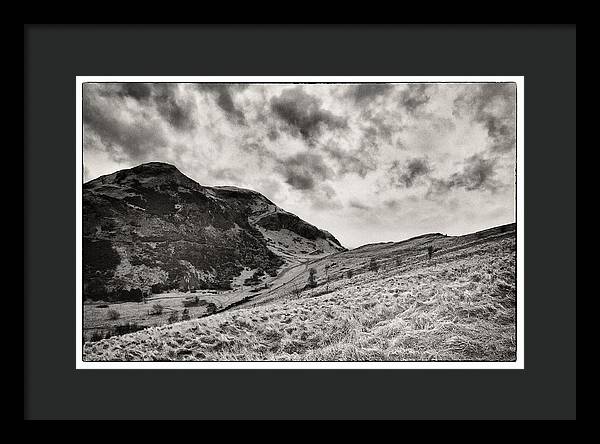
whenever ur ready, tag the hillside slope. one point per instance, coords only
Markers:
(151, 228)
(458, 306)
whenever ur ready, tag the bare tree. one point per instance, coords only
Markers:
(312, 278)
(374, 265)
(430, 251)
(327, 267)
(296, 291)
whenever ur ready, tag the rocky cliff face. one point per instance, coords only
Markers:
(151, 228)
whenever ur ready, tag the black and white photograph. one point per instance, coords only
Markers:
(334, 222)
(300, 222)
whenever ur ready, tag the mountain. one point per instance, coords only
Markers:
(151, 228)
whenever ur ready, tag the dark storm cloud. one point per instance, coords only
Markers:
(303, 114)
(406, 175)
(300, 181)
(494, 106)
(224, 100)
(382, 129)
(368, 91)
(178, 112)
(137, 91)
(376, 128)
(304, 171)
(356, 161)
(137, 141)
(414, 96)
(478, 174)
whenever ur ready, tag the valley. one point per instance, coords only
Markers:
(380, 302)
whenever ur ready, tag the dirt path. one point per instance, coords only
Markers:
(286, 275)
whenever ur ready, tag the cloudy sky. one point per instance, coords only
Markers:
(367, 162)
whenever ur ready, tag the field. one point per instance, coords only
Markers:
(98, 320)
(458, 306)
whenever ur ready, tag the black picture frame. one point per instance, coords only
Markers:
(55, 55)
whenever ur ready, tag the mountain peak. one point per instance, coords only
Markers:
(156, 166)
(154, 169)
(151, 174)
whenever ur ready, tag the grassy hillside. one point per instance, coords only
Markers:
(458, 306)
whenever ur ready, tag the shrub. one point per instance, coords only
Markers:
(130, 327)
(350, 274)
(156, 310)
(211, 308)
(113, 315)
(95, 290)
(296, 291)
(312, 278)
(157, 288)
(173, 317)
(191, 302)
(96, 336)
(185, 315)
(222, 285)
(255, 278)
(373, 265)
(136, 295)
(120, 295)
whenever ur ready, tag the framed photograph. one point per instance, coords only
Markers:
(300, 222)
(175, 274)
